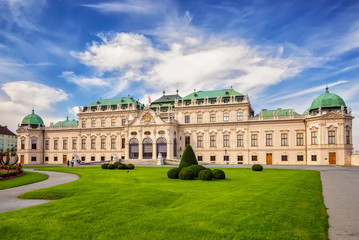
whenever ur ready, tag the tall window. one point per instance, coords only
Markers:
(93, 143)
(103, 122)
(199, 117)
(123, 122)
(212, 141)
(83, 124)
(22, 144)
(239, 140)
(64, 144)
(284, 139)
(331, 137)
(103, 143)
(199, 141)
(113, 143)
(123, 143)
(314, 138)
(300, 141)
(225, 117)
(187, 141)
(239, 116)
(212, 117)
(33, 144)
(74, 144)
(186, 119)
(56, 144)
(113, 122)
(93, 123)
(347, 137)
(254, 140)
(47, 144)
(226, 141)
(268, 139)
(83, 143)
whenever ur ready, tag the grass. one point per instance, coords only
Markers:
(145, 204)
(27, 178)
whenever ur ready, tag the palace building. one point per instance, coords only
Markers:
(221, 126)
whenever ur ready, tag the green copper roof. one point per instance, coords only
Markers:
(168, 99)
(327, 100)
(212, 94)
(66, 123)
(113, 101)
(281, 112)
(32, 119)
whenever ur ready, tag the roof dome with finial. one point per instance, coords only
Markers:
(33, 120)
(327, 100)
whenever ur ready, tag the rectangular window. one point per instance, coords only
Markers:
(331, 137)
(186, 119)
(239, 116)
(47, 144)
(22, 144)
(123, 122)
(347, 137)
(56, 144)
(300, 158)
(55, 159)
(113, 122)
(92, 158)
(113, 143)
(314, 158)
(199, 158)
(83, 124)
(83, 143)
(239, 140)
(46, 159)
(239, 159)
(33, 144)
(187, 141)
(199, 117)
(225, 141)
(123, 143)
(199, 141)
(102, 158)
(103, 143)
(213, 158)
(268, 139)
(103, 122)
(74, 144)
(314, 138)
(93, 123)
(33, 159)
(254, 158)
(300, 141)
(226, 158)
(212, 141)
(93, 143)
(212, 117)
(284, 139)
(83, 159)
(64, 144)
(226, 117)
(284, 158)
(254, 140)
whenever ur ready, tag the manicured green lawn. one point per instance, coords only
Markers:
(145, 204)
(27, 178)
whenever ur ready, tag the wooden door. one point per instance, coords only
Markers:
(22, 160)
(332, 158)
(64, 159)
(269, 159)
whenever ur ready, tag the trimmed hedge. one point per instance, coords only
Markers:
(186, 174)
(130, 166)
(121, 166)
(218, 174)
(257, 167)
(205, 174)
(188, 158)
(173, 173)
(105, 166)
(196, 169)
(111, 166)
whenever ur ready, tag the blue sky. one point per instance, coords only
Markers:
(59, 54)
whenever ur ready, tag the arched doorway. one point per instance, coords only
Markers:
(162, 147)
(147, 148)
(134, 149)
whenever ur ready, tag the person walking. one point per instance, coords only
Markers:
(72, 163)
(68, 163)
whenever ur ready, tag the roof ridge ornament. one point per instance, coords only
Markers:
(327, 89)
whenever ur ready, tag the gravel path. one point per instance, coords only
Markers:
(8, 197)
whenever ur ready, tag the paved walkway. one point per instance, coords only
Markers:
(8, 197)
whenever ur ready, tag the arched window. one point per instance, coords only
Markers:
(134, 149)
(147, 148)
(162, 147)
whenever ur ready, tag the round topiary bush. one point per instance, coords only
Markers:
(173, 173)
(196, 169)
(105, 166)
(257, 167)
(205, 174)
(117, 164)
(121, 166)
(111, 166)
(218, 174)
(186, 174)
(188, 158)
(130, 166)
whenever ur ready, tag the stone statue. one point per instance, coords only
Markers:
(115, 159)
(160, 159)
(76, 158)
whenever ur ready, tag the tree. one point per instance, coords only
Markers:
(188, 158)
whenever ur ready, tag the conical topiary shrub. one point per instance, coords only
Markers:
(188, 158)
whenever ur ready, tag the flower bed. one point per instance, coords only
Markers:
(8, 172)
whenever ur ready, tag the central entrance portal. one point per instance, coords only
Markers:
(269, 159)
(147, 148)
(134, 149)
(162, 147)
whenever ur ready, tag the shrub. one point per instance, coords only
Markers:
(130, 166)
(218, 174)
(121, 166)
(196, 169)
(173, 173)
(186, 174)
(257, 167)
(105, 166)
(205, 174)
(188, 158)
(111, 166)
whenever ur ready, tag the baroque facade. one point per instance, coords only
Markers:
(220, 126)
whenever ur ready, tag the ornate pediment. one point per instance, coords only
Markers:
(147, 116)
(332, 115)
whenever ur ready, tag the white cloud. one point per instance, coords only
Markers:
(82, 81)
